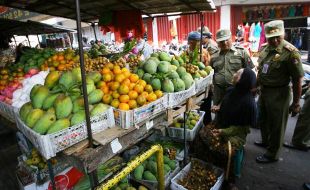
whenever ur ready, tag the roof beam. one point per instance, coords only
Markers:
(189, 5)
(133, 7)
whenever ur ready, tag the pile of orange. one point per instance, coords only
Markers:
(62, 61)
(124, 90)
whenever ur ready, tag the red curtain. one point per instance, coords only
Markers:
(236, 18)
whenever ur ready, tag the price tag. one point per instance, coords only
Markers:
(149, 124)
(115, 146)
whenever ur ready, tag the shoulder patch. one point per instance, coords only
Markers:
(290, 48)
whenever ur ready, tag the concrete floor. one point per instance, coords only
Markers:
(289, 173)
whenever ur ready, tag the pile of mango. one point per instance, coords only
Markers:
(35, 159)
(191, 121)
(125, 185)
(148, 169)
(58, 104)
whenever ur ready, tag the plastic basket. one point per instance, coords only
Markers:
(202, 84)
(219, 174)
(177, 98)
(190, 134)
(127, 119)
(7, 111)
(48, 145)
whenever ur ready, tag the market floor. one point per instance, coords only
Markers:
(289, 173)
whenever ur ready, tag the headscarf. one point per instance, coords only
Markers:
(238, 107)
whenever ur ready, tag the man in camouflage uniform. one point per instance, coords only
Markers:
(207, 42)
(279, 64)
(225, 64)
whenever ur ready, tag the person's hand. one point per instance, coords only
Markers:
(294, 109)
(216, 132)
(215, 109)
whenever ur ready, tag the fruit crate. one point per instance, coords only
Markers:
(7, 111)
(202, 84)
(190, 134)
(218, 171)
(127, 119)
(48, 145)
(176, 98)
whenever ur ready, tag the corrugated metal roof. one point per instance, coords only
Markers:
(92, 9)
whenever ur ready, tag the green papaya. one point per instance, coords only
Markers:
(67, 80)
(95, 76)
(167, 85)
(58, 125)
(78, 104)
(63, 106)
(39, 96)
(178, 84)
(78, 117)
(95, 96)
(138, 172)
(52, 79)
(163, 56)
(147, 175)
(24, 110)
(163, 67)
(156, 84)
(33, 116)
(90, 85)
(98, 109)
(43, 124)
(49, 101)
(188, 80)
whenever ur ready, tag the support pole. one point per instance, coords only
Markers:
(93, 25)
(15, 40)
(201, 28)
(84, 88)
(38, 40)
(51, 173)
(28, 40)
(185, 142)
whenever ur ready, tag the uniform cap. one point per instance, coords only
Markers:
(194, 36)
(223, 34)
(205, 32)
(274, 28)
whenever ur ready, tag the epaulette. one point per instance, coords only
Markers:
(290, 47)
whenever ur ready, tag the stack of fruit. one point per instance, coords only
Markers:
(97, 51)
(191, 121)
(124, 184)
(35, 159)
(124, 90)
(121, 62)
(62, 61)
(165, 73)
(148, 169)
(133, 60)
(58, 103)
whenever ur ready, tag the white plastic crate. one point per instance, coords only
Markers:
(219, 174)
(177, 98)
(48, 145)
(190, 134)
(201, 85)
(127, 119)
(7, 111)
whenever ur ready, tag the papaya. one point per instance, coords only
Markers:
(78, 117)
(98, 109)
(140, 73)
(34, 89)
(52, 79)
(173, 75)
(156, 84)
(67, 80)
(178, 84)
(49, 101)
(155, 59)
(24, 110)
(43, 124)
(188, 80)
(95, 76)
(78, 104)
(76, 72)
(138, 172)
(154, 55)
(167, 85)
(173, 68)
(58, 125)
(63, 106)
(181, 71)
(147, 77)
(163, 67)
(150, 67)
(163, 56)
(39, 96)
(90, 85)
(95, 96)
(147, 175)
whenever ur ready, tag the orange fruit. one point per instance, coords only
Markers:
(141, 100)
(133, 94)
(123, 106)
(142, 82)
(151, 97)
(159, 93)
(105, 70)
(124, 69)
(117, 70)
(138, 88)
(61, 58)
(145, 94)
(126, 82)
(107, 99)
(55, 57)
(110, 66)
(123, 89)
(119, 78)
(115, 103)
(131, 86)
(107, 77)
(133, 77)
(124, 98)
(126, 73)
(105, 89)
(115, 94)
(61, 67)
(148, 88)
(132, 104)
(114, 85)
